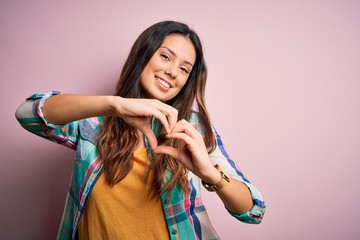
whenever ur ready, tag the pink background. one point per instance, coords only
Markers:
(283, 91)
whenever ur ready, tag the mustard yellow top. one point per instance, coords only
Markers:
(124, 211)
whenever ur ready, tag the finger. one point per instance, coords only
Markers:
(170, 113)
(146, 130)
(166, 114)
(172, 152)
(172, 117)
(182, 136)
(186, 127)
(163, 120)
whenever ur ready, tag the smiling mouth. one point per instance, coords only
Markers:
(163, 82)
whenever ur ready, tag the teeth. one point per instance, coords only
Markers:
(162, 82)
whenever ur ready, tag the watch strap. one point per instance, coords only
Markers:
(219, 185)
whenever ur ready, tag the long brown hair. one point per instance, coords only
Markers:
(118, 140)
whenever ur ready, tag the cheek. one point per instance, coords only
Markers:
(144, 75)
(154, 64)
(142, 81)
(182, 82)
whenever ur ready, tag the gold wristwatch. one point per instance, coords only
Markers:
(217, 186)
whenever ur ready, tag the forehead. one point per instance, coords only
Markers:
(181, 45)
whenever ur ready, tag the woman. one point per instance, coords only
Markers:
(142, 154)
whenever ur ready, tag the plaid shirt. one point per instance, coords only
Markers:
(185, 214)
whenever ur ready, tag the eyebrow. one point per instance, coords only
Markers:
(173, 53)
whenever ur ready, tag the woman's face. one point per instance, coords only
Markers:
(169, 68)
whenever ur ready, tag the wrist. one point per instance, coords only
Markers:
(212, 177)
(115, 104)
(224, 181)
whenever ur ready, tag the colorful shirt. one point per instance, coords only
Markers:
(185, 214)
(125, 210)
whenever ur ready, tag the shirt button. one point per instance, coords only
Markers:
(174, 232)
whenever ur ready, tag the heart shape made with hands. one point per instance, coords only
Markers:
(193, 155)
(152, 140)
(178, 154)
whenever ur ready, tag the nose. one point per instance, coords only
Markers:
(171, 70)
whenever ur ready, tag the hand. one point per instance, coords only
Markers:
(194, 155)
(138, 113)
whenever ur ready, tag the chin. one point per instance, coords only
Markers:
(163, 98)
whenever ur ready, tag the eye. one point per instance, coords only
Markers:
(185, 70)
(165, 57)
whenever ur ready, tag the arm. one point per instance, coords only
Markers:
(66, 108)
(235, 195)
(31, 117)
(54, 110)
(221, 157)
(241, 198)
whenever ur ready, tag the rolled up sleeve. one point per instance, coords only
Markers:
(30, 116)
(220, 156)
